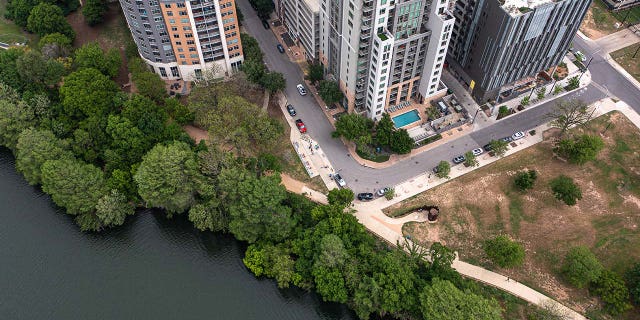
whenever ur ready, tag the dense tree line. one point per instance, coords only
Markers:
(365, 133)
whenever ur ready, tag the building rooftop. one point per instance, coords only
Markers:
(313, 5)
(516, 7)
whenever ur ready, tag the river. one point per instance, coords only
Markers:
(150, 268)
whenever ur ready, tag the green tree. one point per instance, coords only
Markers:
(574, 83)
(18, 11)
(470, 159)
(330, 284)
(441, 257)
(581, 266)
(632, 277)
(93, 11)
(34, 148)
(524, 180)
(330, 92)
(566, 190)
(340, 197)
(401, 142)
(271, 261)
(250, 48)
(150, 85)
(87, 92)
(122, 180)
(503, 111)
(113, 208)
(444, 168)
(91, 55)
(525, 101)
(263, 8)
(273, 81)
(56, 38)
(351, 126)
(315, 72)
(580, 150)
(47, 18)
(9, 73)
(540, 93)
(128, 143)
(166, 177)
(384, 129)
(396, 275)
(255, 71)
(442, 300)
(209, 216)
(15, 116)
(390, 193)
(613, 292)
(73, 184)
(499, 147)
(504, 252)
(255, 206)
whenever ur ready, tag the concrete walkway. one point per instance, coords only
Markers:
(617, 40)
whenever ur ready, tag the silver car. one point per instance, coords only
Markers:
(341, 183)
(477, 151)
(301, 90)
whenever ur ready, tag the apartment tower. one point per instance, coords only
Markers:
(497, 45)
(181, 39)
(302, 20)
(384, 52)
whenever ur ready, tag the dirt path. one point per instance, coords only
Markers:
(196, 133)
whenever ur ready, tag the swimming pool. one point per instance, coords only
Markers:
(406, 118)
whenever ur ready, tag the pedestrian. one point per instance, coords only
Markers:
(508, 279)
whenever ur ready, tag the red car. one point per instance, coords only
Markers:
(301, 126)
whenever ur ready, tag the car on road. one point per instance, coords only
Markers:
(301, 89)
(580, 56)
(341, 183)
(291, 110)
(487, 147)
(435, 169)
(365, 196)
(265, 24)
(382, 191)
(477, 151)
(507, 139)
(280, 48)
(459, 159)
(517, 136)
(301, 126)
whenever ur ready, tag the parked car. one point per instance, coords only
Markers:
(291, 110)
(487, 147)
(280, 48)
(301, 89)
(301, 126)
(435, 169)
(507, 139)
(365, 196)
(517, 136)
(341, 183)
(265, 24)
(382, 191)
(580, 56)
(459, 159)
(477, 151)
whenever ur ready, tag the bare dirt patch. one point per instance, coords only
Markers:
(483, 204)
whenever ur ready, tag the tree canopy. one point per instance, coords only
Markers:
(73, 184)
(340, 196)
(93, 11)
(504, 252)
(351, 126)
(47, 18)
(442, 300)
(581, 266)
(330, 92)
(401, 142)
(87, 92)
(34, 148)
(91, 55)
(581, 149)
(566, 190)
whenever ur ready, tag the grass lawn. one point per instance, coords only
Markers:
(624, 57)
(484, 203)
(600, 22)
(9, 32)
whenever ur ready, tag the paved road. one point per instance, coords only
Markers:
(364, 179)
(606, 76)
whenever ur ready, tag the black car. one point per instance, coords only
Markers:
(365, 196)
(291, 110)
(280, 48)
(435, 169)
(487, 147)
(265, 24)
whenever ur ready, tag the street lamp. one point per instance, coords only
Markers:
(474, 116)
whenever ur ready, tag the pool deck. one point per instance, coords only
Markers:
(408, 110)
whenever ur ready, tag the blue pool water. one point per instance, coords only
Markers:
(406, 118)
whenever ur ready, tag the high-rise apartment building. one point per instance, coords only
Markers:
(384, 52)
(497, 43)
(181, 39)
(302, 20)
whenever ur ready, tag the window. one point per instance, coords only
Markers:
(174, 71)
(163, 72)
(170, 13)
(192, 49)
(182, 13)
(167, 5)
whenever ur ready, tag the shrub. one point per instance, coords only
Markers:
(503, 111)
(504, 252)
(390, 193)
(341, 197)
(444, 168)
(581, 266)
(525, 179)
(580, 150)
(613, 292)
(566, 190)
(470, 160)
(632, 276)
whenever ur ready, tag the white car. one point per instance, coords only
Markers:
(301, 90)
(341, 183)
(382, 191)
(517, 136)
(477, 151)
